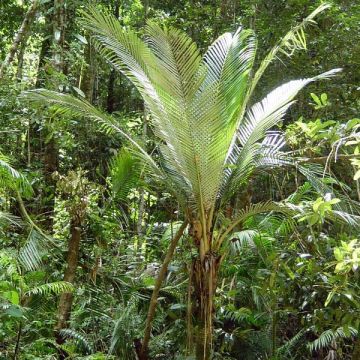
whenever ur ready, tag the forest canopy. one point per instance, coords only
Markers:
(179, 179)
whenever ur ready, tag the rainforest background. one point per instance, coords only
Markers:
(87, 231)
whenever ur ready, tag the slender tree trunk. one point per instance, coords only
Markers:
(51, 153)
(87, 85)
(18, 337)
(143, 355)
(20, 65)
(45, 51)
(110, 103)
(66, 299)
(59, 34)
(24, 28)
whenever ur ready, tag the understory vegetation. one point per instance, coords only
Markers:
(179, 179)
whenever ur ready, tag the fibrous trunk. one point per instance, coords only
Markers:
(204, 279)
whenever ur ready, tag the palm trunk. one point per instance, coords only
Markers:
(204, 281)
(204, 286)
(24, 28)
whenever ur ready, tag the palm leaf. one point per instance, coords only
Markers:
(125, 173)
(55, 288)
(10, 178)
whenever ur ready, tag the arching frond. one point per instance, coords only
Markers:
(125, 52)
(268, 112)
(6, 217)
(67, 104)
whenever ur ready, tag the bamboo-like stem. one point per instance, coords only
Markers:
(189, 341)
(155, 294)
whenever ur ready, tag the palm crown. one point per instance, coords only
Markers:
(208, 135)
(198, 103)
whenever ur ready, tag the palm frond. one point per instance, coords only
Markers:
(328, 336)
(125, 173)
(286, 350)
(10, 178)
(125, 52)
(126, 329)
(268, 112)
(229, 61)
(55, 288)
(6, 217)
(31, 253)
(252, 210)
(67, 104)
(80, 340)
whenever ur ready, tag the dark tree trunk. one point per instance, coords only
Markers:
(356, 351)
(17, 346)
(66, 299)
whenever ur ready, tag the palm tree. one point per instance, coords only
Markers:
(210, 138)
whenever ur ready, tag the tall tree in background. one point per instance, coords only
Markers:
(21, 37)
(210, 139)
